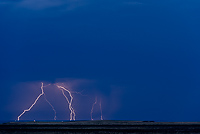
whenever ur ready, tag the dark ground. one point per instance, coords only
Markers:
(75, 127)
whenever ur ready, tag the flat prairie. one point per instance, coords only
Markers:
(102, 126)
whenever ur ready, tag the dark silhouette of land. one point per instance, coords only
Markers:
(87, 127)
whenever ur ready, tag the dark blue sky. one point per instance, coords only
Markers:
(143, 55)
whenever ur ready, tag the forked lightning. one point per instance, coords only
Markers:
(42, 88)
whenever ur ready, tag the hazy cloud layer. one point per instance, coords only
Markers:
(44, 4)
(67, 4)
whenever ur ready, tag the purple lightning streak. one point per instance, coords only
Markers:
(42, 88)
(51, 107)
(32, 104)
(93, 108)
(101, 110)
(72, 112)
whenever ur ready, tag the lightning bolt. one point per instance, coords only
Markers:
(72, 112)
(42, 89)
(32, 104)
(101, 110)
(69, 99)
(93, 108)
(51, 107)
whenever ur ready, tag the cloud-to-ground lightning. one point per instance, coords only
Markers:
(72, 112)
(69, 98)
(42, 89)
(51, 107)
(93, 108)
(101, 110)
(91, 113)
(32, 104)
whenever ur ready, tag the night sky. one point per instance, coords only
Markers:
(140, 57)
